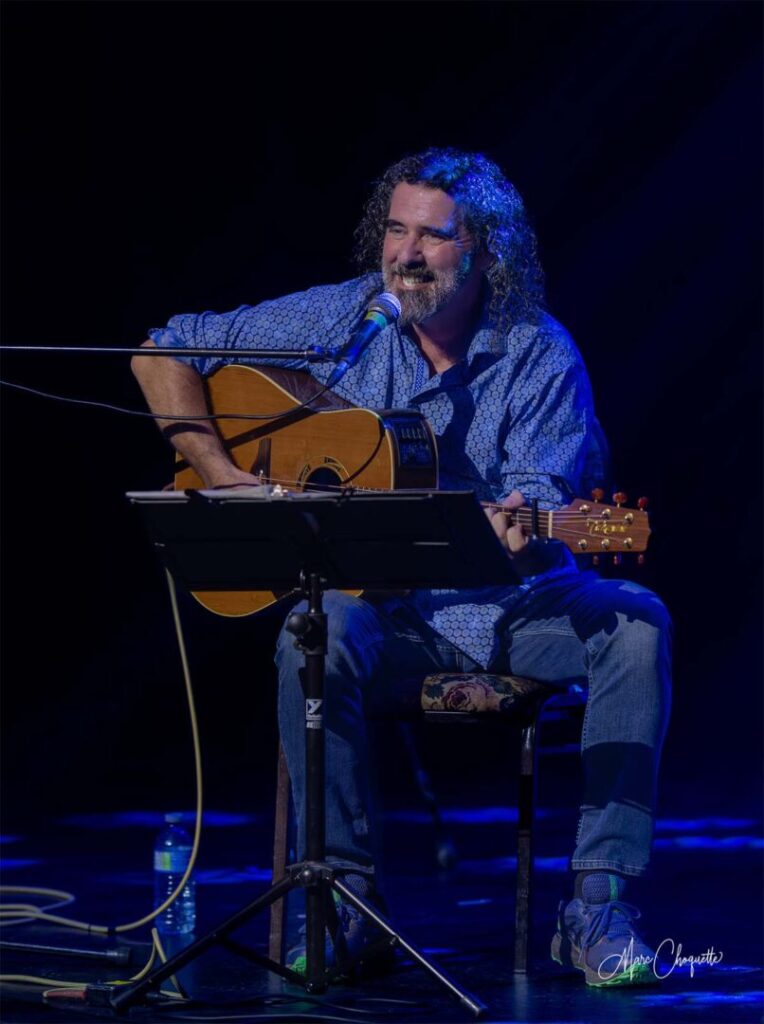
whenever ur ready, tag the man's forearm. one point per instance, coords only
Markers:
(173, 387)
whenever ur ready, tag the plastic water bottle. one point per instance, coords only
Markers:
(172, 852)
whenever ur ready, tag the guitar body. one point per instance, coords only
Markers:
(326, 445)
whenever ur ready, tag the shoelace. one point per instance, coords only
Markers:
(602, 916)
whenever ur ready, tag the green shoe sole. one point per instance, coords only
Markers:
(635, 974)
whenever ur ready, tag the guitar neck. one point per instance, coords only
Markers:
(544, 521)
(586, 527)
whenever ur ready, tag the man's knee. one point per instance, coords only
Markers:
(631, 634)
(353, 634)
(631, 611)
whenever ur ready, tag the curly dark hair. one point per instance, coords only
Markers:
(492, 211)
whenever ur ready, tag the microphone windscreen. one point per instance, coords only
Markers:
(387, 304)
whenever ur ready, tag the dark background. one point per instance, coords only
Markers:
(169, 157)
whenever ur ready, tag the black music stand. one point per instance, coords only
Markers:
(263, 537)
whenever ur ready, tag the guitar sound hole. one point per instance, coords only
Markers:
(323, 477)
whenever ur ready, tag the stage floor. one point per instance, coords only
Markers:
(704, 892)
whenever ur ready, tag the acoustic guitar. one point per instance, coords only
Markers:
(332, 444)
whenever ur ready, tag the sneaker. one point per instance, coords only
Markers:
(600, 940)
(355, 947)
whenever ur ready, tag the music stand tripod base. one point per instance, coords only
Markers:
(222, 540)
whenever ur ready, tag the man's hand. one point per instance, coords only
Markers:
(512, 538)
(526, 557)
(231, 476)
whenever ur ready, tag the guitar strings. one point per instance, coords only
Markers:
(524, 512)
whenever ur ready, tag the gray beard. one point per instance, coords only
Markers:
(420, 305)
(416, 307)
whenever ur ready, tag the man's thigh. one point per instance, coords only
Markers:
(388, 648)
(559, 623)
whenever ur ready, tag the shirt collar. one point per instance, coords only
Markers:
(486, 341)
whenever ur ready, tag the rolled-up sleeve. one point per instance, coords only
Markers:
(320, 316)
(200, 330)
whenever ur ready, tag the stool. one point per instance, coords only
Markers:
(466, 697)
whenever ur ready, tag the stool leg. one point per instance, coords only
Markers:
(526, 809)
(280, 842)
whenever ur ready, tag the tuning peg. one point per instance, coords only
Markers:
(620, 498)
(640, 559)
(642, 503)
(595, 559)
(598, 494)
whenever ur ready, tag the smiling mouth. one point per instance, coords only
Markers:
(412, 280)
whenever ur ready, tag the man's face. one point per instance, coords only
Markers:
(429, 260)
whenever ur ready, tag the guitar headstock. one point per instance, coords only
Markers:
(595, 528)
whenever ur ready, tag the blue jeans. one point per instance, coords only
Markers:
(612, 636)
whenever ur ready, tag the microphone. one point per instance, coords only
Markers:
(382, 311)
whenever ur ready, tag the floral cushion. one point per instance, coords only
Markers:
(471, 692)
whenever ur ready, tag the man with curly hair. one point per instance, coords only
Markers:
(507, 395)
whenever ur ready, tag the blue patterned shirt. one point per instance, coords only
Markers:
(516, 413)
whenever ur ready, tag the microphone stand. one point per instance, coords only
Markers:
(315, 353)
